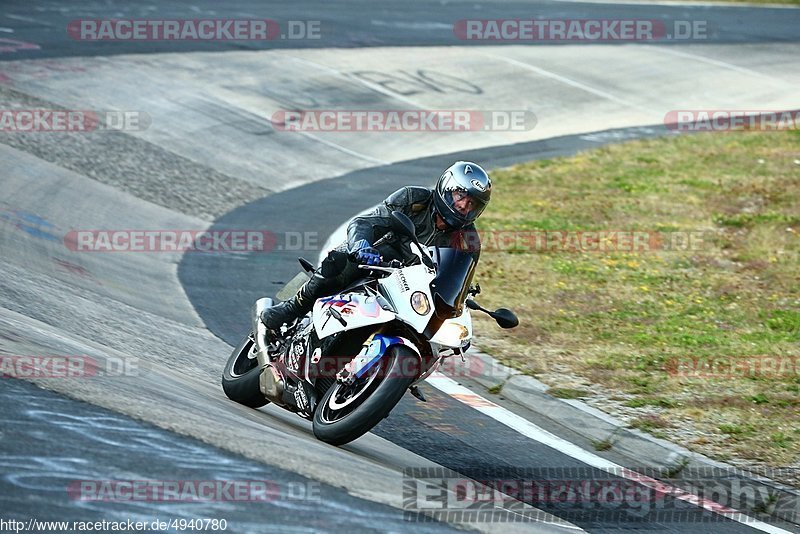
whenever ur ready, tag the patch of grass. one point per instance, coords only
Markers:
(677, 468)
(779, 439)
(737, 432)
(743, 220)
(785, 321)
(650, 423)
(659, 402)
(766, 506)
(642, 384)
(759, 398)
(602, 444)
(621, 318)
(496, 389)
(568, 393)
(765, 2)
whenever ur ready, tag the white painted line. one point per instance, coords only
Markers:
(20, 17)
(530, 430)
(572, 83)
(345, 150)
(423, 26)
(707, 60)
(29, 19)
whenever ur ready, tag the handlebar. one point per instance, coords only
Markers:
(384, 265)
(391, 264)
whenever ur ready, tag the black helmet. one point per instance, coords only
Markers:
(462, 179)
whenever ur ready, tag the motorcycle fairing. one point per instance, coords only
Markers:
(401, 285)
(355, 309)
(373, 351)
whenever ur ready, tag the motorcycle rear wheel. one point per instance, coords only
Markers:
(346, 413)
(240, 376)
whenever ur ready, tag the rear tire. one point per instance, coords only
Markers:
(240, 376)
(395, 372)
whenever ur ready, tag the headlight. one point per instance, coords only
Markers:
(451, 335)
(420, 303)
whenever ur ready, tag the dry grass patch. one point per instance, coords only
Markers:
(625, 320)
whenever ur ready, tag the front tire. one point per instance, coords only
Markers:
(346, 413)
(240, 376)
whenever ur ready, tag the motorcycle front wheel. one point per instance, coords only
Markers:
(347, 412)
(240, 376)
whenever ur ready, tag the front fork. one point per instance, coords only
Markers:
(371, 353)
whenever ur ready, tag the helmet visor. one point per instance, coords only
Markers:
(465, 206)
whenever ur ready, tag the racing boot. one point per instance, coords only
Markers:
(295, 307)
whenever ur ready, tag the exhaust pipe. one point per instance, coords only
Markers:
(270, 381)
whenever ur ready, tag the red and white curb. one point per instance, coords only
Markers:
(526, 428)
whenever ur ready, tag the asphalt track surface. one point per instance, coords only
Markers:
(174, 316)
(97, 444)
(358, 24)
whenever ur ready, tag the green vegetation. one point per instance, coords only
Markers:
(765, 2)
(568, 393)
(702, 324)
(602, 444)
(496, 389)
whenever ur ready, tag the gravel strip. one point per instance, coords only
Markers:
(131, 165)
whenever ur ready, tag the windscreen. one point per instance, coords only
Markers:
(455, 269)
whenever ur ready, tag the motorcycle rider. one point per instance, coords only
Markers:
(442, 216)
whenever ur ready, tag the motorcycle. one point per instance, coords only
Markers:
(348, 363)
